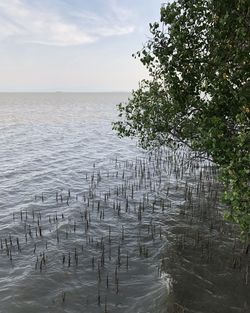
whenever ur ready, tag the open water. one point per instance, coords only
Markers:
(91, 223)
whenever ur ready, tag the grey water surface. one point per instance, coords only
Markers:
(91, 223)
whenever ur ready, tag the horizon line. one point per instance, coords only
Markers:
(62, 91)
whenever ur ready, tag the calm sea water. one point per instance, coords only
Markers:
(91, 223)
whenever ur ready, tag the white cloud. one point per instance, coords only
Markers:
(24, 23)
(122, 13)
(109, 25)
(116, 31)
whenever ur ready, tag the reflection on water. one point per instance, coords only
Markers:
(91, 223)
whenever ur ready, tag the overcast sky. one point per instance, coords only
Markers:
(73, 45)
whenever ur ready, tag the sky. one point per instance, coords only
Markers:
(73, 45)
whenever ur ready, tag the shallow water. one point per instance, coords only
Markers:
(90, 223)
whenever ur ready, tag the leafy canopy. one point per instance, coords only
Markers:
(198, 91)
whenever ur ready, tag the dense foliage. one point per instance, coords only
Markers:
(198, 91)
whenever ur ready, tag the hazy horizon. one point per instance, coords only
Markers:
(62, 91)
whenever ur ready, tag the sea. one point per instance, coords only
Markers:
(90, 222)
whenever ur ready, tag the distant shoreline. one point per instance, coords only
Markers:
(60, 92)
